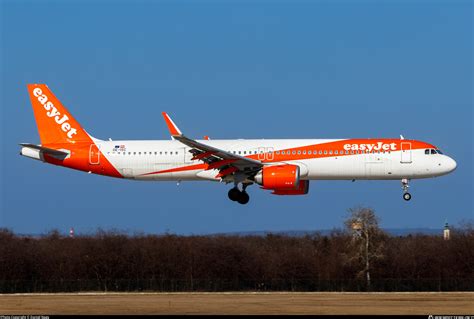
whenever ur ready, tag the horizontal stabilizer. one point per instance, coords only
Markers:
(56, 153)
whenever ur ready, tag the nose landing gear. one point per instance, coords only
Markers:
(406, 194)
(239, 196)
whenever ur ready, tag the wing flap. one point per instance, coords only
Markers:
(227, 163)
(217, 152)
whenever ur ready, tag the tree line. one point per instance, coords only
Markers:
(114, 261)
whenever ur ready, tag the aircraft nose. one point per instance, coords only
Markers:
(451, 165)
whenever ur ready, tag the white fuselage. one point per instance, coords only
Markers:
(171, 160)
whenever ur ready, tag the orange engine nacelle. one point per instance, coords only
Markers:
(279, 177)
(302, 189)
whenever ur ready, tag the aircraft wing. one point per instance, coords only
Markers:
(227, 163)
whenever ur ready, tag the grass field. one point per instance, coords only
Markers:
(239, 303)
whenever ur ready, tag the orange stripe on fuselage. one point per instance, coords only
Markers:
(79, 159)
(179, 169)
(323, 147)
(307, 151)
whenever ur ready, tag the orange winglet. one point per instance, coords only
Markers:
(227, 171)
(174, 130)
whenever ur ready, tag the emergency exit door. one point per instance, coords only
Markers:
(94, 154)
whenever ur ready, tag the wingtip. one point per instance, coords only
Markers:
(174, 130)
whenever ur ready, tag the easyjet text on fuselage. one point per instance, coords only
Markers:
(379, 146)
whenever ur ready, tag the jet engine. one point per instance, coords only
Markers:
(282, 179)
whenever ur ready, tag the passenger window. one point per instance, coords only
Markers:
(304, 152)
(320, 152)
(325, 152)
(336, 152)
(330, 152)
(176, 153)
(277, 152)
(129, 153)
(299, 152)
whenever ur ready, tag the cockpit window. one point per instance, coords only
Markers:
(432, 151)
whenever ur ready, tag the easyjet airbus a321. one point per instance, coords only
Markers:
(284, 167)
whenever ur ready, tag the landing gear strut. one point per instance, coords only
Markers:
(240, 196)
(406, 194)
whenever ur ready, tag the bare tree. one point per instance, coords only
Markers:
(119, 262)
(366, 245)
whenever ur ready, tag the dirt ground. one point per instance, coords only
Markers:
(239, 303)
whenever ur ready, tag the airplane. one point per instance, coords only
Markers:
(282, 166)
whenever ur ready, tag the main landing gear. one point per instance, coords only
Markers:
(240, 196)
(406, 194)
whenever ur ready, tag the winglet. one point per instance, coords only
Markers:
(174, 130)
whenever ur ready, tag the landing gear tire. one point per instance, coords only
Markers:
(243, 198)
(234, 194)
(406, 194)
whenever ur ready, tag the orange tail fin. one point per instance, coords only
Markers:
(55, 123)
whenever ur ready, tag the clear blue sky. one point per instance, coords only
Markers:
(332, 69)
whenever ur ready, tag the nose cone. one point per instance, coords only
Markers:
(450, 165)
